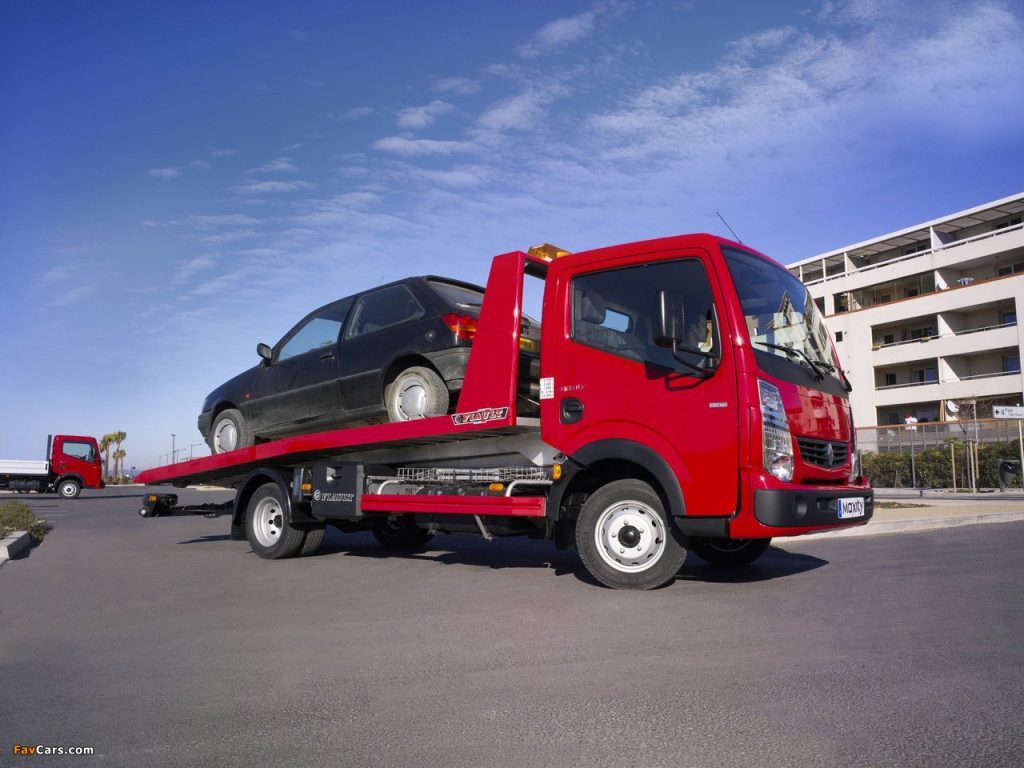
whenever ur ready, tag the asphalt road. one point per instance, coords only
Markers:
(164, 643)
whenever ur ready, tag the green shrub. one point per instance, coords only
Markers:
(934, 466)
(17, 516)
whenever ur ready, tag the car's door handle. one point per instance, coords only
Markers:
(571, 411)
(327, 356)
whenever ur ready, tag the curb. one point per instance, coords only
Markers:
(13, 545)
(911, 526)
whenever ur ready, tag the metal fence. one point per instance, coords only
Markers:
(901, 437)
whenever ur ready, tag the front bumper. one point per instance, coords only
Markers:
(813, 507)
(204, 422)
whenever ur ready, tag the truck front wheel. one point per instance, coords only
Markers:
(625, 538)
(270, 534)
(69, 488)
(732, 552)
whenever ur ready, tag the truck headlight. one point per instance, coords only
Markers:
(775, 435)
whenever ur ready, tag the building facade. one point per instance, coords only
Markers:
(925, 319)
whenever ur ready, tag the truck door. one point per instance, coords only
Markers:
(300, 384)
(613, 383)
(76, 457)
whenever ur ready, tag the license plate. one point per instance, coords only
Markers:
(849, 508)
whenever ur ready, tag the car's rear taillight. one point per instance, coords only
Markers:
(463, 326)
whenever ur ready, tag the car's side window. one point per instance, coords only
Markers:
(317, 332)
(382, 309)
(617, 310)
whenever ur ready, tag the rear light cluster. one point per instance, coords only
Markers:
(775, 434)
(463, 326)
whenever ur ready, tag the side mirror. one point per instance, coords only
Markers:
(264, 351)
(669, 332)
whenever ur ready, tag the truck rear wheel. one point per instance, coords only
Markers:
(733, 552)
(416, 393)
(625, 538)
(400, 532)
(270, 534)
(69, 488)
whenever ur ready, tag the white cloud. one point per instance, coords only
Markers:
(402, 145)
(164, 173)
(524, 111)
(413, 118)
(262, 187)
(277, 165)
(557, 34)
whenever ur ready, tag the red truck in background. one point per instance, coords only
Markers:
(72, 463)
(689, 399)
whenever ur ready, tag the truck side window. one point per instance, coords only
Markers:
(382, 309)
(617, 310)
(81, 451)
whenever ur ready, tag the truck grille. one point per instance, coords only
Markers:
(823, 453)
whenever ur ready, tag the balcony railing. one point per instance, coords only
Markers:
(973, 377)
(898, 259)
(922, 339)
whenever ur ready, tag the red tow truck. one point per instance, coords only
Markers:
(72, 463)
(688, 398)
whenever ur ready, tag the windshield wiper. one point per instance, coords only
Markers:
(816, 366)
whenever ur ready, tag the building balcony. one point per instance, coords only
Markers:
(965, 342)
(979, 385)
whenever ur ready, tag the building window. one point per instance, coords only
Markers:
(924, 376)
(820, 302)
(1011, 364)
(1010, 222)
(915, 249)
(839, 335)
(890, 379)
(1008, 317)
(889, 338)
(842, 302)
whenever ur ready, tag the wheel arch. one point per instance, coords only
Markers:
(400, 363)
(68, 476)
(604, 461)
(253, 481)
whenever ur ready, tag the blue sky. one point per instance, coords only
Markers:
(184, 180)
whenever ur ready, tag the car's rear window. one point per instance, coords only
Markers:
(459, 295)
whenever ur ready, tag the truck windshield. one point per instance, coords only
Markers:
(781, 317)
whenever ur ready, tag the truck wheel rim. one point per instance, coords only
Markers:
(226, 437)
(67, 489)
(630, 537)
(412, 399)
(268, 522)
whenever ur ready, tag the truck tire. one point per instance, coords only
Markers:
(229, 431)
(69, 488)
(270, 534)
(314, 538)
(626, 540)
(400, 532)
(730, 552)
(416, 393)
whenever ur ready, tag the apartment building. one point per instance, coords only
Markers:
(925, 319)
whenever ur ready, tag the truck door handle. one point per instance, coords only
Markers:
(571, 411)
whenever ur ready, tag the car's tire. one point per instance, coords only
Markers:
(229, 432)
(730, 552)
(416, 393)
(314, 538)
(400, 532)
(625, 538)
(270, 534)
(69, 488)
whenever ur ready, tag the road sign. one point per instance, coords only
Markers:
(1008, 412)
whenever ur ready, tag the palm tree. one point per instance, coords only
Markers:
(105, 443)
(119, 455)
(118, 438)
